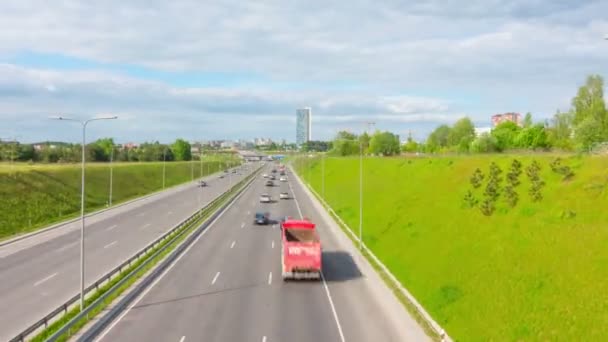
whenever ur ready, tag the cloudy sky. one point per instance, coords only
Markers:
(239, 69)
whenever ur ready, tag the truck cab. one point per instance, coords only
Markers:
(301, 254)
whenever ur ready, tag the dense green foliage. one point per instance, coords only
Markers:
(34, 196)
(533, 270)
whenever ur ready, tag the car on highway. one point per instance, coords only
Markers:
(222, 176)
(202, 183)
(283, 179)
(284, 195)
(272, 177)
(265, 175)
(262, 218)
(265, 198)
(269, 183)
(274, 170)
(282, 173)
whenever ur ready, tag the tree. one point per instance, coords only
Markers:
(528, 120)
(532, 137)
(589, 102)
(106, 144)
(438, 138)
(462, 134)
(588, 132)
(505, 134)
(181, 150)
(561, 129)
(345, 144)
(384, 143)
(485, 143)
(410, 145)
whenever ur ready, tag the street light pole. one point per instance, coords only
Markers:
(164, 165)
(323, 175)
(111, 174)
(360, 194)
(83, 161)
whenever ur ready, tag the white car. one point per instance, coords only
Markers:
(265, 198)
(283, 179)
(265, 175)
(284, 195)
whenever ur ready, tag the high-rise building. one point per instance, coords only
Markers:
(303, 125)
(513, 117)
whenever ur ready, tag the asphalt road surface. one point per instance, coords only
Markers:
(40, 273)
(227, 286)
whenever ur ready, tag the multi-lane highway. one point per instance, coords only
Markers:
(40, 273)
(227, 286)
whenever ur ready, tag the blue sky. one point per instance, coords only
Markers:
(233, 69)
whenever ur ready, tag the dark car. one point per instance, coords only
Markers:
(262, 218)
(269, 183)
(202, 183)
(274, 170)
(272, 177)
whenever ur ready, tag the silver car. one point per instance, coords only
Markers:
(265, 198)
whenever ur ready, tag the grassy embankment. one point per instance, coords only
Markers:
(33, 196)
(537, 271)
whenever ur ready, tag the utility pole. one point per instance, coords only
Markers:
(368, 124)
(111, 174)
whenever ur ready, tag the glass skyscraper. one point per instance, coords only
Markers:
(303, 125)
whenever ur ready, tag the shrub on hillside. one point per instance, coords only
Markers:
(536, 182)
(477, 178)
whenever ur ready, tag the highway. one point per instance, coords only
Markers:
(40, 273)
(227, 286)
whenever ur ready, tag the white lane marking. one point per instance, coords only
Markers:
(264, 339)
(272, 244)
(269, 278)
(182, 339)
(243, 225)
(110, 244)
(331, 302)
(170, 213)
(215, 278)
(296, 200)
(68, 246)
(162, 275)
(141, 214)
(111, 227)
(248, 212)
(45, 279)
(232, 245)
(146, 226)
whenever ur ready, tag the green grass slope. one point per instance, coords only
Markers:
(535, 272)
(38, 195)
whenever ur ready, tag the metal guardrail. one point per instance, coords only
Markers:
(65, 307)
(430, 321)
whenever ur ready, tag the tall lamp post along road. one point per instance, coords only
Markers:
(84, 124)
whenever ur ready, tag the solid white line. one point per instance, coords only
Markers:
(269, 278)
(45, 279)
(331, 302)
(141, 296)
(333, 308)
(182, 339)
(215, 278)
(272, 245)
(111, 227)
(243, 225)
(110, 244)
(233, 243)
(145, 226)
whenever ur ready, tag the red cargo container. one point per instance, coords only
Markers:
(301, 255)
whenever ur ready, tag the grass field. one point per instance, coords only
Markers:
(535, 272)
(33, 196)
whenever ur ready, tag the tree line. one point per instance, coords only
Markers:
(583, 126)
(101, 150)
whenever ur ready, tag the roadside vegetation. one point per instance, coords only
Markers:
(33, 196)
(495, 247)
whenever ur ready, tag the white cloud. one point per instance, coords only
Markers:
(402, 62)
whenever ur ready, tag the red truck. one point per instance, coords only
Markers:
(301, 257)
